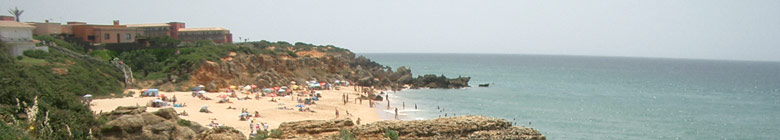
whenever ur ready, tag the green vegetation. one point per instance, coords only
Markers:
(392, 134)
(184, 122)
(62, 43)
(43, 101)
(40, 54)
(346, 135)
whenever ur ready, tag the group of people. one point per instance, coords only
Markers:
(254, 127)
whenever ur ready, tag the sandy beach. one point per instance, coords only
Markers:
(324, 109)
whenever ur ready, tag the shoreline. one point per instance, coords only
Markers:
(324, 109)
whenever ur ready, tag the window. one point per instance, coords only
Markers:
(106, 36)
(128, 37)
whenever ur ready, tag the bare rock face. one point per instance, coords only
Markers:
(134, 123)
(462, 127)
(221, 133)
(271, 70)
(313, 128)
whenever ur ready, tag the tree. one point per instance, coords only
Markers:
(16, 12)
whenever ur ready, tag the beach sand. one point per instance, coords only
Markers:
(324, 109)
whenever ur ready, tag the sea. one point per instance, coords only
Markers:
(590, 97)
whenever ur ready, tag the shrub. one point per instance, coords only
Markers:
(40, 54)
(261, 135)
(184, 122)
(275, 133)
(392, 134)
(346, 135)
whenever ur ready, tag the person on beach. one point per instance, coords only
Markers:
(251, 127)
(337, 113)
(265, 127)
(396, 113)
(174, 99)
(415, 106)
(358, 121)
(403, 105)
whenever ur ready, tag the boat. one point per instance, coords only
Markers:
(484, 85)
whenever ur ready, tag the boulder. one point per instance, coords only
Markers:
(221, 133)
(313, 127)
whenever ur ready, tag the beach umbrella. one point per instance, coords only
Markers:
(204, 107)
(201, 86)
(202, 92)
(266, 90)
(157, 101)
(271, 95)
(254, 86)
(88, 96)
(292, 82)
(222, 96)
(282, 91)
(232, 87)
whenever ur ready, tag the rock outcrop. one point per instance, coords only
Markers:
(462, 127)
(221, 133)
(314, 128)
(268, 70)
(134, 123)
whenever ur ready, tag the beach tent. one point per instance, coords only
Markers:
(151, 92)
(266, 90)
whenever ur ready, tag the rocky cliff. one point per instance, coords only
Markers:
(275, 70)
(462, 127)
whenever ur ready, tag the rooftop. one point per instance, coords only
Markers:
(14, 24)
(202, 29)
(148, 25)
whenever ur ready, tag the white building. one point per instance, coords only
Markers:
(18, 37)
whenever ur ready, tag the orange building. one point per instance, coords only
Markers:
(99, 34)
(216, 34)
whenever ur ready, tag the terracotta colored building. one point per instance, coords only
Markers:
(159, 29)
(99, 34)
(47, 28)
(216, 34)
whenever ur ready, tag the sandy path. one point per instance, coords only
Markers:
(325, 108)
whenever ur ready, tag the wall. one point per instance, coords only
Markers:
(219, 36)
(47, 28)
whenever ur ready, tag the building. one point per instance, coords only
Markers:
(216, 34)
(47, 28)
(99, 34)
(159, 29)
(18, 37)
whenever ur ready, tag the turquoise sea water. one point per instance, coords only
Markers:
(582, 97)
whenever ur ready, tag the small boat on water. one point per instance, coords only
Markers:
(484, 85)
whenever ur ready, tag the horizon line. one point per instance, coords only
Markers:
(643, 57)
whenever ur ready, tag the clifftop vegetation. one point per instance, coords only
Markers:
(40, 95)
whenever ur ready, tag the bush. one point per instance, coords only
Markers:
(346, 135)
(40, 54)
(392, 134)
(261, 135)
(183, 122)
(275, 133)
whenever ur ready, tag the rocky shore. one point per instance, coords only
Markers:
(462, 127)
(134, 123)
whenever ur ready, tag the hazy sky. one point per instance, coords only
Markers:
(709, 29)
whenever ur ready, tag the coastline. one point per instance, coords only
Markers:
(324, 109)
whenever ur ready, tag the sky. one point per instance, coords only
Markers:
(696, 29)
